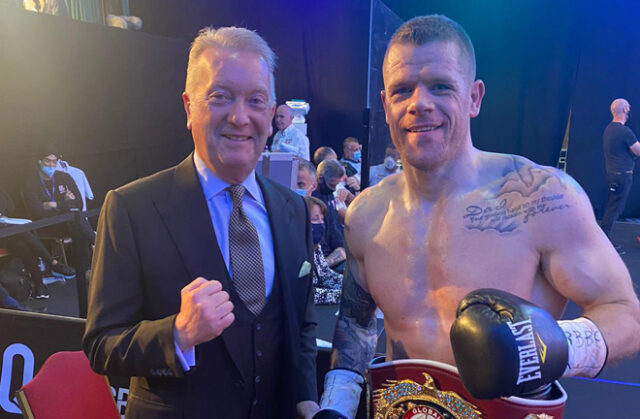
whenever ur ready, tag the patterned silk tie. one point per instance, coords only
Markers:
(245, 255)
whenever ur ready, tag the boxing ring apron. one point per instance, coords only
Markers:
(419, 389)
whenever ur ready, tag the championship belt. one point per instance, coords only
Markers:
(419, 389)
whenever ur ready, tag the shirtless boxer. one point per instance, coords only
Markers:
(458, 219)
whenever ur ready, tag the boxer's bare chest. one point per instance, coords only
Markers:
(422, 262)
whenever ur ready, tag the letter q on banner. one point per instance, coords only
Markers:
(13, 350)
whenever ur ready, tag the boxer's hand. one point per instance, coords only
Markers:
(504, 345)
(205, 311)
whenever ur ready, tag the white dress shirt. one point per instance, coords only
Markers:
(291, 140)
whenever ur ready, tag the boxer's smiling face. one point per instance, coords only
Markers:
(429, 98)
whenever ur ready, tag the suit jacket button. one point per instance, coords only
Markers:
(258, 378)
(254, 402)
(258, 326)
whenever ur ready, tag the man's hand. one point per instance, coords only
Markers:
(205, 311)
(345, 196)
(307, 409)
(49, 205)
(353, 183)
(69, 196)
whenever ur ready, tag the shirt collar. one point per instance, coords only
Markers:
(289, 128)
(212, 185)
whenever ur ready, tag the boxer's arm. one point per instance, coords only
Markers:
(355, 337)
(582, 265)
(354, 343)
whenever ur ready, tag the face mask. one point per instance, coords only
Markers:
(323, 188)
(301, 192)
(317, 231)
(357, 155)
(389, 163)
(48, 171)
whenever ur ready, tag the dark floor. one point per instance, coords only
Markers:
(615, 394)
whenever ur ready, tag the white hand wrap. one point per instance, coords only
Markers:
(587, 348)
(342, 392)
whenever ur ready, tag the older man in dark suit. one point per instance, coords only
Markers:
(201, 283)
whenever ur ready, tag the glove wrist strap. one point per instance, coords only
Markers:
(587, 348)
(342, 392)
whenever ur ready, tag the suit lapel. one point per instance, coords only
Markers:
(281, 215)
(186, 214)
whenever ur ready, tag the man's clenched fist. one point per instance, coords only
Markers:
(205, 311)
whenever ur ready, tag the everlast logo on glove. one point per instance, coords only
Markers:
(527, 350)
(506, 346)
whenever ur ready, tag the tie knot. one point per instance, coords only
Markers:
(236, 192)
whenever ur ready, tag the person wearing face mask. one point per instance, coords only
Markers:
(387, 168)
(352, 162)
(306, 181)
(48, 192)
(330, 174)
(327, 283)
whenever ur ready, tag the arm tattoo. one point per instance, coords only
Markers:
(355, 337)
(517, 200)
(335, 257)
(398, 351)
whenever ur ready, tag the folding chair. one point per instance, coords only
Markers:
(66, 387)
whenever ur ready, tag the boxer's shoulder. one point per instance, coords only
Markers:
(372, 203)
(515, 193)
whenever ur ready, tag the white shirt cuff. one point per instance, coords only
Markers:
(187, 358)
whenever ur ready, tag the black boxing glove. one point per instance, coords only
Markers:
(505, 346)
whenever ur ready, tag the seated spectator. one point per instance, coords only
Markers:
(307, 182)
(330, 175)
(327, 283)
(29, 248)
(389, 167)
(289, 139)
(352, 161)
(331, 179)
(79, 178)
(47, 193)
(323, 153)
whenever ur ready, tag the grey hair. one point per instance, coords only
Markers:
(306, 164)
(233, 38)
(330, 169)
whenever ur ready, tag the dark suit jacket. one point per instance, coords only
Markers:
(154, 237)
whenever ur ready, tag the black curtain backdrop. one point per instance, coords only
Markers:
(609, 64)
(109, 99)
(322, 49)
